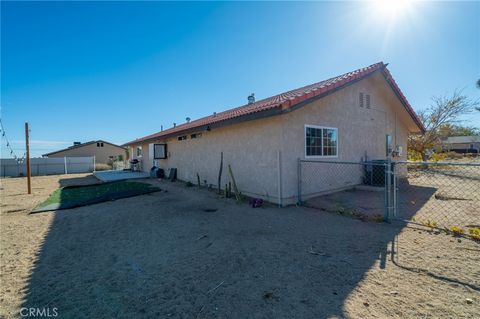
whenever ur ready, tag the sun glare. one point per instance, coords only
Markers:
(393, 8)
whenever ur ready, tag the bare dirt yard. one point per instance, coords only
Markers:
(188, 253)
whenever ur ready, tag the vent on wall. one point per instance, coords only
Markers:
(364, 100)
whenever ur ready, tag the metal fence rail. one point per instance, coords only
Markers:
(48, 166)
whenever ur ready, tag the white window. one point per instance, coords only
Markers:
(139, 151)
(321, 141)
(159, 151)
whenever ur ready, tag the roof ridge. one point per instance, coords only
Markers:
(288, 99)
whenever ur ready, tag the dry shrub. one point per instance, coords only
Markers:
(436, 157)
(475, 233)
(456, 230)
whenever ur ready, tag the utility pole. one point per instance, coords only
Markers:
(29, 182)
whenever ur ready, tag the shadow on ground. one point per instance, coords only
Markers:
(163, 255)
(371, 202)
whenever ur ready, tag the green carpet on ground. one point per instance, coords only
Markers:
(75, 196)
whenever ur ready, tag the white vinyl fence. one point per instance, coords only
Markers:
(48, 166)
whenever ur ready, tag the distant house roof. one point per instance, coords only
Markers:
(290, 99)
(462, 139)
(82, 145)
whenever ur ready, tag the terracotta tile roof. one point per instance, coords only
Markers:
(287, 100)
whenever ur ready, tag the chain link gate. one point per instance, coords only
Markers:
(440, 196)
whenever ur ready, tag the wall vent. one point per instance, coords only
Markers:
(364, 100)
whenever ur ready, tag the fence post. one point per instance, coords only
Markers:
(388, 191)
(299, 185)
(65, 164)
(394, 214)
(279, 189)
(94, 163)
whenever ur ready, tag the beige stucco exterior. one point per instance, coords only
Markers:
(263, 153)
(102, 154)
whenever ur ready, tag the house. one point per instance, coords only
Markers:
(344, 118)
(103, 151)
(460, 144)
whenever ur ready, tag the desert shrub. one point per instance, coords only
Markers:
(475, 233)
(413, 155)
(438, 157)
(456, 230)
(102, 167)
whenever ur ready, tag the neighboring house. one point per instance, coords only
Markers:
(103, 151)
(344, 118)
(460, 144)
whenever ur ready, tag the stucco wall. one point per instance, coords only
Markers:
(252, 147)
(101, 153)
(360, 131)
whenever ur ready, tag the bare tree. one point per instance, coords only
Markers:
(478, 87)
(444, 110)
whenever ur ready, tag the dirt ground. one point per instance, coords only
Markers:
(186, 253)
(445, 195)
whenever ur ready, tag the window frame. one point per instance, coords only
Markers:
(319, 127)
(164, 151)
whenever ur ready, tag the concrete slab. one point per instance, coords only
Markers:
(111, 176)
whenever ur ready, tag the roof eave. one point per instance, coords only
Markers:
(396, 89)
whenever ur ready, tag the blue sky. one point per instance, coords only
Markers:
(79, 71)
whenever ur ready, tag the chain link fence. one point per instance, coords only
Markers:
(440, 196)
(432, 210)
(357, 189)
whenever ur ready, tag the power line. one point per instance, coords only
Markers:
(19, 160)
